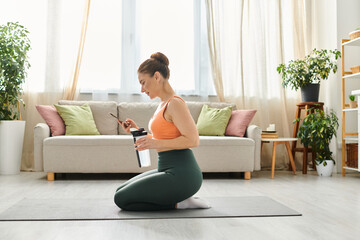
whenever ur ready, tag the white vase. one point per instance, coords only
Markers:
(325, 171)
(11, 145)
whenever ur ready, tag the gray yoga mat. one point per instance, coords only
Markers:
(105, 209)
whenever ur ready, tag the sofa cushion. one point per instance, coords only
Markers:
(239, 121)
(78, 120)
(105, 123)
(52, 119)
(140, 112)
(213, 121)
(195, 107)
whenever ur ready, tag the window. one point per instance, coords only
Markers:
(170, 31)
(101, 63)
(121, 36)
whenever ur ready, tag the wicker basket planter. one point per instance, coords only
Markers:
(352, 155)
(355, 69)
(353, 104)
(354, 34)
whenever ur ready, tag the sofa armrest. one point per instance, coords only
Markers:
(254, 132)
(41, 131)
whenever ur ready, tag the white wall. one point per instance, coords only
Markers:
(332, 21)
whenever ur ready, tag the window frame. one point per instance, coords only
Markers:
(130, 54)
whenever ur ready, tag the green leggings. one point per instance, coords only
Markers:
(177, 178)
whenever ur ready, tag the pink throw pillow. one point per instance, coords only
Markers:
(239, 121)
(52, 118)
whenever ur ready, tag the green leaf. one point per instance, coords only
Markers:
(317, 130)
(314, 67)
(14, 46)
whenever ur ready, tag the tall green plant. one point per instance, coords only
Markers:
(313, 68)
(14, 46)
(317, 130)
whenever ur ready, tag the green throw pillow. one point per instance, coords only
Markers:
(78, 119)
(213, 121)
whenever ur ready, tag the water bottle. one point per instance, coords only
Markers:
(144, 155)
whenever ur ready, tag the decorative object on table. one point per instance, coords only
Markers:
(352, 103)
(266, 134)
(271, 127)
(14, 46)
(352, 155)
(354, 34)
(270, 132)
(317, 130)
(307, 73)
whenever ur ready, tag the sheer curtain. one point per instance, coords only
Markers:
(54, 33)
(71, 89)
(60, 39)
(101, 69)
(248, 40)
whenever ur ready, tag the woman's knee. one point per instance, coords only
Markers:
(120, 200)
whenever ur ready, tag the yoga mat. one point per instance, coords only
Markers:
(105, 209)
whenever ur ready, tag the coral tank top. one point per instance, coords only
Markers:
(160, 127)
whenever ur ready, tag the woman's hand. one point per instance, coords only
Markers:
(127, 124)
(145, 143)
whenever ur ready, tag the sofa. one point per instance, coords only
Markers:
(113, 150)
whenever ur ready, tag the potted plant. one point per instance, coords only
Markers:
(307, 73)
(352, 103)
(14, 46)
(317, 130)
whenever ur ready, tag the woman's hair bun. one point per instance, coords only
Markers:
(158, 62)
(160, 57)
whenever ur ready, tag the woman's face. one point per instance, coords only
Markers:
(148, 84)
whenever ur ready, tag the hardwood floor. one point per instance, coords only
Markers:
(330, 208)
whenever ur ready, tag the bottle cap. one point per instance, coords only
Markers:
(138, 132)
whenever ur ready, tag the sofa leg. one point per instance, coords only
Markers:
(247, 175)
(51, 176)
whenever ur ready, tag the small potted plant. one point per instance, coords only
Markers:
(307, 73)
(14, 46)
(316, 131)
(352, 103)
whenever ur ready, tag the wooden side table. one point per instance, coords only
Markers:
(278, 141)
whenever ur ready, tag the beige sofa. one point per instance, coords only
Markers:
(113, 150)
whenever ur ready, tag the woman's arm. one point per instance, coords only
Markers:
(177, 112)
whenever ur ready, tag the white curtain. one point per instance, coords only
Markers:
(248, 40)
(54, 34)
(100, 71)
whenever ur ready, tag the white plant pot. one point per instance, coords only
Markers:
(325, 171)
(11, 145)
